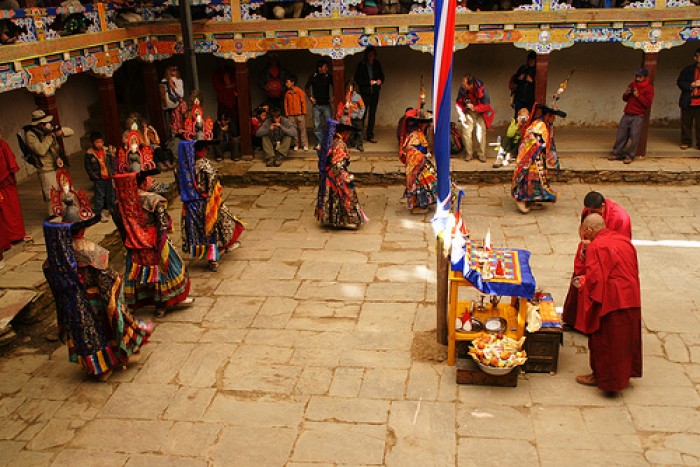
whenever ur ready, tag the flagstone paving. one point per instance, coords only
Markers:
(312, 347)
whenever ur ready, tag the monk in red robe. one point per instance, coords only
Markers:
(617, 220)
(611, 312)
(11, 220)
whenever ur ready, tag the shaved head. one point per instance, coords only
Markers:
(593, 223)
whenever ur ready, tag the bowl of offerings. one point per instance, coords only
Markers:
(497, 355)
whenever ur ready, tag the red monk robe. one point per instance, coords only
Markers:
(616, 219)
(611, 311)
(11, 221)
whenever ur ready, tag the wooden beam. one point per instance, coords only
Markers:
(109, 110)
(649, 61)
(244, 109)
(338, 83)
(541, 73)
(151, 82)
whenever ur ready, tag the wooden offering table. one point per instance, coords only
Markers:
(512, 280)
(514, 312)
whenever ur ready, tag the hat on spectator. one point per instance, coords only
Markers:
(39, 116)
(642, 72)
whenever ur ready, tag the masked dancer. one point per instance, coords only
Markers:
(92, 319)
(338, 205)
(155, 273)
(537, 150)
(208, 227)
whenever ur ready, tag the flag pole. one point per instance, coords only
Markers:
(443, 51)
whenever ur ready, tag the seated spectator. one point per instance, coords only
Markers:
(277, 135)
(72, 23)
(370, 7)
(281, 10)
(9, 32)
(127, 12)
(259, 117)
(482, 5)
(9, 5)
(390, 7)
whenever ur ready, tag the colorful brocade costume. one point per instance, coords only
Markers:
(421, 181)
(536, 151)
(155, 273)
(207, 224)
(338, 205)
(91, 315)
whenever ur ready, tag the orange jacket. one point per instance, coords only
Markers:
(295, 102)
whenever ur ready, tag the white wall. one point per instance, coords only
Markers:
(593, 98)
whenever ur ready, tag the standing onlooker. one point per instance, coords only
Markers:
(689, 83)
(369, 78)
(319, 88)
(224, 83)
(277, 135)
(523, 85)
(612, 310)
(172, 93)
(295, 109)
(350, 112)
(41, 138)
(225, 134)
(475, 114)
(639, 96)
(11, 220)
(272, 80)
(99, 163)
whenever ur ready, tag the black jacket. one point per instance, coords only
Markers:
(362, 77)
(685, 79)
(319, 87)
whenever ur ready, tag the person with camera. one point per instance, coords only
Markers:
(475, 113)
(41, 138)
(639, 96)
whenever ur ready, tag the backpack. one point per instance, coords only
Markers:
(27, 154)
(456, 144)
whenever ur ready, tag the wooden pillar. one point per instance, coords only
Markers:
(110, 111)
(151, 83)
(649, 61)
(541, 72)
(441, 302)
(338, 83)
(244, 109)
(48, 105)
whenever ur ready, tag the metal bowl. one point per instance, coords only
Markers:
(496, 371)
(495, 325)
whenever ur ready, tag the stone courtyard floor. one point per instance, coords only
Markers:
(313, 348)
